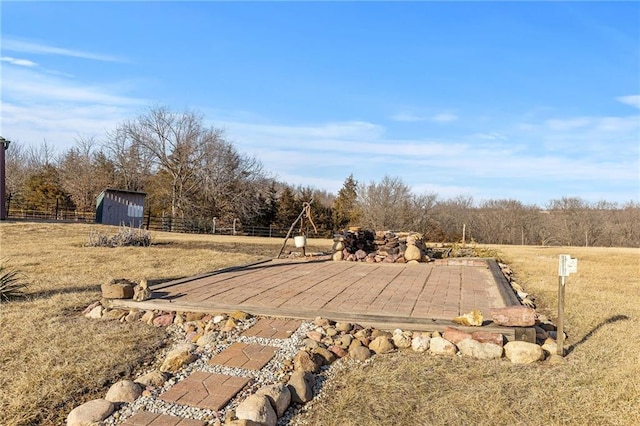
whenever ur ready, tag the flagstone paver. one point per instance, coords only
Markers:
(145, 418)
(205, 390)
(243, 355)
(273, 328)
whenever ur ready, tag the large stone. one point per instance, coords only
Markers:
(523, 352)
(123, 391)
(118, 289)
(401, 340)
(344, 326)
(325, 354)
(207, 339)
(473, 318)
(133, 316)
(441, 346)
(420, 343)
(279, 395)
(454, 335)
(257, 408)
(550, 346)
(178, 357)
(315, 335)
(304, 361)
(193, 316)
(344, 340)
(359, 352)
(301, 386)
(473, 348)
(142, 292)
(381, 345)
(148, 317)
(95, 313)
(90, 413)
(339, 351)
(376, 333)
(514, 316)
(164, 320)
(488, 337)
(331, 331)
(90, 307)
(240, 315)
(556, 359)
(153, 378)
(412, 253)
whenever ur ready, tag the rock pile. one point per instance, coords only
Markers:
(380, 246)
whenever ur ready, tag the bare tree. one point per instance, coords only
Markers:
(176, 143)
(80, 174)
(385, 205)
(132, 163)
(422, 206)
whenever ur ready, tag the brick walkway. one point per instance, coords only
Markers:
(213, 391)
(205, 390)
(271, 328)
(151, 419)
(242, 355)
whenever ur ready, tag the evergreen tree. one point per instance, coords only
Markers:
(43, 190)
(288, 209)
(345, 207)
(268, 214)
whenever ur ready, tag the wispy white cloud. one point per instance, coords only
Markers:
(405, 117)
(19, 62)
(491, 136)
(26, 85)
(24, 46)
(38, 105)
(568, 124)
(465, 159)
(409, 117)
(444, 117)
(633, 100)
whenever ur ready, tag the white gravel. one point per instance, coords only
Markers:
(271, 373)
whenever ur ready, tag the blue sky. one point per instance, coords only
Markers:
(530, 101)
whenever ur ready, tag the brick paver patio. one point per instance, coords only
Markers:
(205, 390)
(416, 297)
(242, 355)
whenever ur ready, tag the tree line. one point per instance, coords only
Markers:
(194, 173)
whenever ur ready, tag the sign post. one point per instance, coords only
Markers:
(566, 266)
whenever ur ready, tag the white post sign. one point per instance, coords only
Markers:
(567, 265)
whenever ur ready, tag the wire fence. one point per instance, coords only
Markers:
(153, 223)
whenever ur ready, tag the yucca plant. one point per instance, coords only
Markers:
(11, 284)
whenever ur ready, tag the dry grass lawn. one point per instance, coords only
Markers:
(53, 358)
(598, 385)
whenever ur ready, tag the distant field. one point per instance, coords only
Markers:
(53, 358)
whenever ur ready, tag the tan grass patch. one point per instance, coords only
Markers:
(53, 358)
